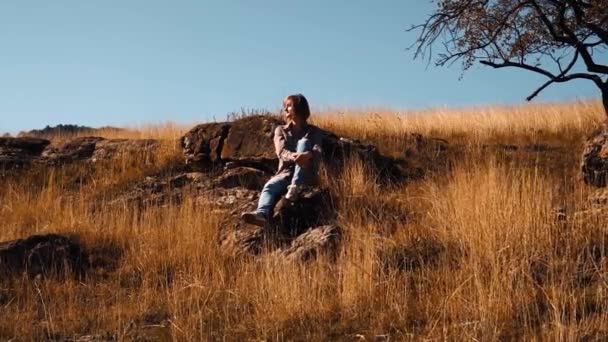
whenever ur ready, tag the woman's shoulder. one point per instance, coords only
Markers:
(315, 129)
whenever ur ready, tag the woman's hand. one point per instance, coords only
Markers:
(304, 159)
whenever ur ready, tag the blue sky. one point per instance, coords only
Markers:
(131, 62)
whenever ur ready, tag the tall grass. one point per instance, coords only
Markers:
(492, 250)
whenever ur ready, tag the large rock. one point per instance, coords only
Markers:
(314, 207)
(322, 240)
(107, 149)
(297, 230)
(594, 164)
(24, 151)
(96, 149)
(203, 144)
(72, 150)
(248, 142)
(49, 254)
(19, 152)
(246, 177)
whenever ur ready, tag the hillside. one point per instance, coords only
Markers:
(443, 224)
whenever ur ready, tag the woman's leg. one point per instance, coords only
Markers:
(274, 188)
(302, 175)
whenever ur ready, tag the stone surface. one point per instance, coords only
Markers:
(250, 140)
(24, 151)
(111, 148)
(594, 164)
(48, 254)
(247, 142)
(297, 231)
(247, 177)
(72, 150)
(313, 242)
(203, 144)
(19, 152)
(313, 207)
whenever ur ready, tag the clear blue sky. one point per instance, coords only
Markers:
(129, 62)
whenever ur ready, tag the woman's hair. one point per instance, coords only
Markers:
(300, 105)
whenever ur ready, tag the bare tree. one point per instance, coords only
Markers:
(560, 39)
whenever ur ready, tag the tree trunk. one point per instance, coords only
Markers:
(604, 90)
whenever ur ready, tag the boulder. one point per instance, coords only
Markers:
(72, 150)
(24, 151)
(247, 142)
(203, 144)
(111, 148)
(19, 152)
(49, 254)
(246, 177)
(314, 207)
(313, 242)
(250, 142)
(95, 149)
(297, 230)
(594, 164)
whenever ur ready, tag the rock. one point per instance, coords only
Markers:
(594, 164)
(24, 151)
(19, 152)
(250, 140)
(297, 231)
(49, 254)
(246, 177)
(111, 148)
(96, 148)
(314, 207)
(72, 150)
(203, 144)
(247, 142)
(313, 242)
(336, 151)
(238, 239)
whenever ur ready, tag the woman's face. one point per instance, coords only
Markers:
(289, 110)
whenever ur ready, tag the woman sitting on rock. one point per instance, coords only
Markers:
(298, 147)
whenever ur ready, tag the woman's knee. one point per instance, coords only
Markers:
(304, 145)
(275, 185)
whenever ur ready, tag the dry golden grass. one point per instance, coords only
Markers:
(484, 256)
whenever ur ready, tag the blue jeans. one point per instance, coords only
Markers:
(277, 185)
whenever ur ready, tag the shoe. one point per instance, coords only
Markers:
(255, 218)
(292, 192)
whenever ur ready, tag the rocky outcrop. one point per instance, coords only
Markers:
(45, 255)
(248, 142)
(245, 142)
(297, 230)
(107, 149)
(24, 151)
(20, 152)
(233, 191)
(594, 164)
(70, 151)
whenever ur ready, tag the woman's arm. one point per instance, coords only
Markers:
(279, 145)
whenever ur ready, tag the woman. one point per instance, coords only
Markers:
(298, 147)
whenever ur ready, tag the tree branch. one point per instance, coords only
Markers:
(552, 78)
(579, 15)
